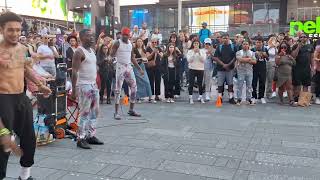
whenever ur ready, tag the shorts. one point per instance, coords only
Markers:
(301, 78)
(225, 76)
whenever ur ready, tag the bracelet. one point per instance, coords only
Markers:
(4, 131)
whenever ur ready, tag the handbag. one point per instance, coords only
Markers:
(304, 99)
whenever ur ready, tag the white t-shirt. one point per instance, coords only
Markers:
(170, 62)
(145, 33)
(45, 50)
(272, 54)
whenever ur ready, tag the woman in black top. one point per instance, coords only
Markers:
(106, 71)
(72, 40)
(154, 55)
(170, 72)
(143, 83)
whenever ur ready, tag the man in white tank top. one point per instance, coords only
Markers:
(84, 73)
(122, 51)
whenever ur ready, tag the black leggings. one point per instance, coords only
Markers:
(106, 81)
(155, 79)
(195, 74)
(316, 80)
(16, 114)
(172, 83)
(259, 75)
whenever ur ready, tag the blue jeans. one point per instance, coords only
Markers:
(245, 76)
(143, 83)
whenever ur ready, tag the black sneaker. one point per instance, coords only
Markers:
(157, 98)
(108, 101)
(82, 143)
(252, 103)
(239, 102)
(95, 141)
(133, 113)
(29, 178)
(232, 101)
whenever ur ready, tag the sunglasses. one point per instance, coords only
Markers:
(154, 42)
(283, 47)
(208, 44)
(303, 37)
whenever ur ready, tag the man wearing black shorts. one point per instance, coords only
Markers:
(301, 73)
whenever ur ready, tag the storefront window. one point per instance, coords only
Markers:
(265, 14)
(241, 13)
(139, 16)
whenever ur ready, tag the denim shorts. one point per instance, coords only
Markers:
(225, 77)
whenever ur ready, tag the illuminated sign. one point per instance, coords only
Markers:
(51, 9)
(312, 28)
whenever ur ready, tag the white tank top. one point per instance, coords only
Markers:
(88, 68)
(124, 52)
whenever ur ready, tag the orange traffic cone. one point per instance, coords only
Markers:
(219, 102)
(125, 101)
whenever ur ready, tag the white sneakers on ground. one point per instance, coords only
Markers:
(317, 101)
(191, 101)
(207, 97)
(170, 100)
(263, 101)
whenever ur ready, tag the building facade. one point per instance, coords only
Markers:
(220, 15)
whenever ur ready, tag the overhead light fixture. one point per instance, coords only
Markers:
(85, 6)
(315, 1)
(77, 7)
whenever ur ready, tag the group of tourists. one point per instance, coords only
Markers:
(138, 61)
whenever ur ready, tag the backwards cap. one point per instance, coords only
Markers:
(125, 31)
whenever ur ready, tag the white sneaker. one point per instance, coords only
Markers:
(191, 101)
(254, 101)
(274, 94)
(263, 101)
(171, 101)
(207, 98)
(168, 100)
(317, 101)
(199, 99)
(285, 94)
(202, 101)
(152, 101)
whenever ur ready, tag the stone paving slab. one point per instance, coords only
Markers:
(147, 174)
(196, 169)
(184, 142)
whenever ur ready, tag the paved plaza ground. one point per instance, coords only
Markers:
(191, 142)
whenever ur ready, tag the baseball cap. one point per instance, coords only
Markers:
(204, 24)
(207, 41)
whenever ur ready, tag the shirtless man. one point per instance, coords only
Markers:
(15, 106)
